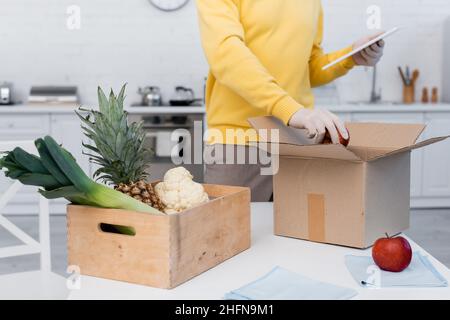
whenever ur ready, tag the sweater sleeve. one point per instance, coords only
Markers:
(234, 65)
(319, 59)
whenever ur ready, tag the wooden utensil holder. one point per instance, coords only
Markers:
(409, 94)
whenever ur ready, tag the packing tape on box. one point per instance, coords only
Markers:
(316, 217)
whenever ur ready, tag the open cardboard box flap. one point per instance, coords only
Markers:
(368, 141)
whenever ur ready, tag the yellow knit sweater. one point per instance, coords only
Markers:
(264, 57)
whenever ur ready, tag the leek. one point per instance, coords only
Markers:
(60, 176)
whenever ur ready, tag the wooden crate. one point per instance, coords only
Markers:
(165, 250)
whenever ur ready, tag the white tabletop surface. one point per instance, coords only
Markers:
(318, 261)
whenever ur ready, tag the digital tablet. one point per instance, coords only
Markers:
(366, 45)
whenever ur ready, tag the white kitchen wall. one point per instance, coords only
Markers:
(131, 41)
(419, 44)
(119, 41)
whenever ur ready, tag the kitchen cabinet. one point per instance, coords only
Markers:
(25, 127)
(436, 179)
(19, 128)
(65, 128)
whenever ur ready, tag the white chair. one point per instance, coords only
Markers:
(41, 284)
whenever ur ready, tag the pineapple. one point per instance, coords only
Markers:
(118, 148)
(142, 191)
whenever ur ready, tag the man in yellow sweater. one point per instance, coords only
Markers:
(265, 57)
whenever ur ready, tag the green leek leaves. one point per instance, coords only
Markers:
(59, 176)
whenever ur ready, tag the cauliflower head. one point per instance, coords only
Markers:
(179, 192)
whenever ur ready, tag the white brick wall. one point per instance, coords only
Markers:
(419, 45)
(131, 41)
(119, 41)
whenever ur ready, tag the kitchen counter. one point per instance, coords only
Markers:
(318, 261)
(45, 109)
(345, 107)
(386, 107)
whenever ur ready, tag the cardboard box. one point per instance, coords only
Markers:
(345, 196)
(165, 250)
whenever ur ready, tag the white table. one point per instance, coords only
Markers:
(318, 261)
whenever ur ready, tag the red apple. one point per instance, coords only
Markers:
(392, 254)
(327, 139)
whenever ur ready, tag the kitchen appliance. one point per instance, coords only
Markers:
(171, 146)
(168, 143)
(151, 96)
(162, 137)
(5, 93)
(54, 95)
(183, 97)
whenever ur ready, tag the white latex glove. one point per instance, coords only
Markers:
(371, 55)
(317, 122)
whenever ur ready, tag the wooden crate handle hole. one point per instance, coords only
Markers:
(117, 229)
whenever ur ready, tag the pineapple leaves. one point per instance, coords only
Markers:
(116, 146)
(103, 101)
(92, 148)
